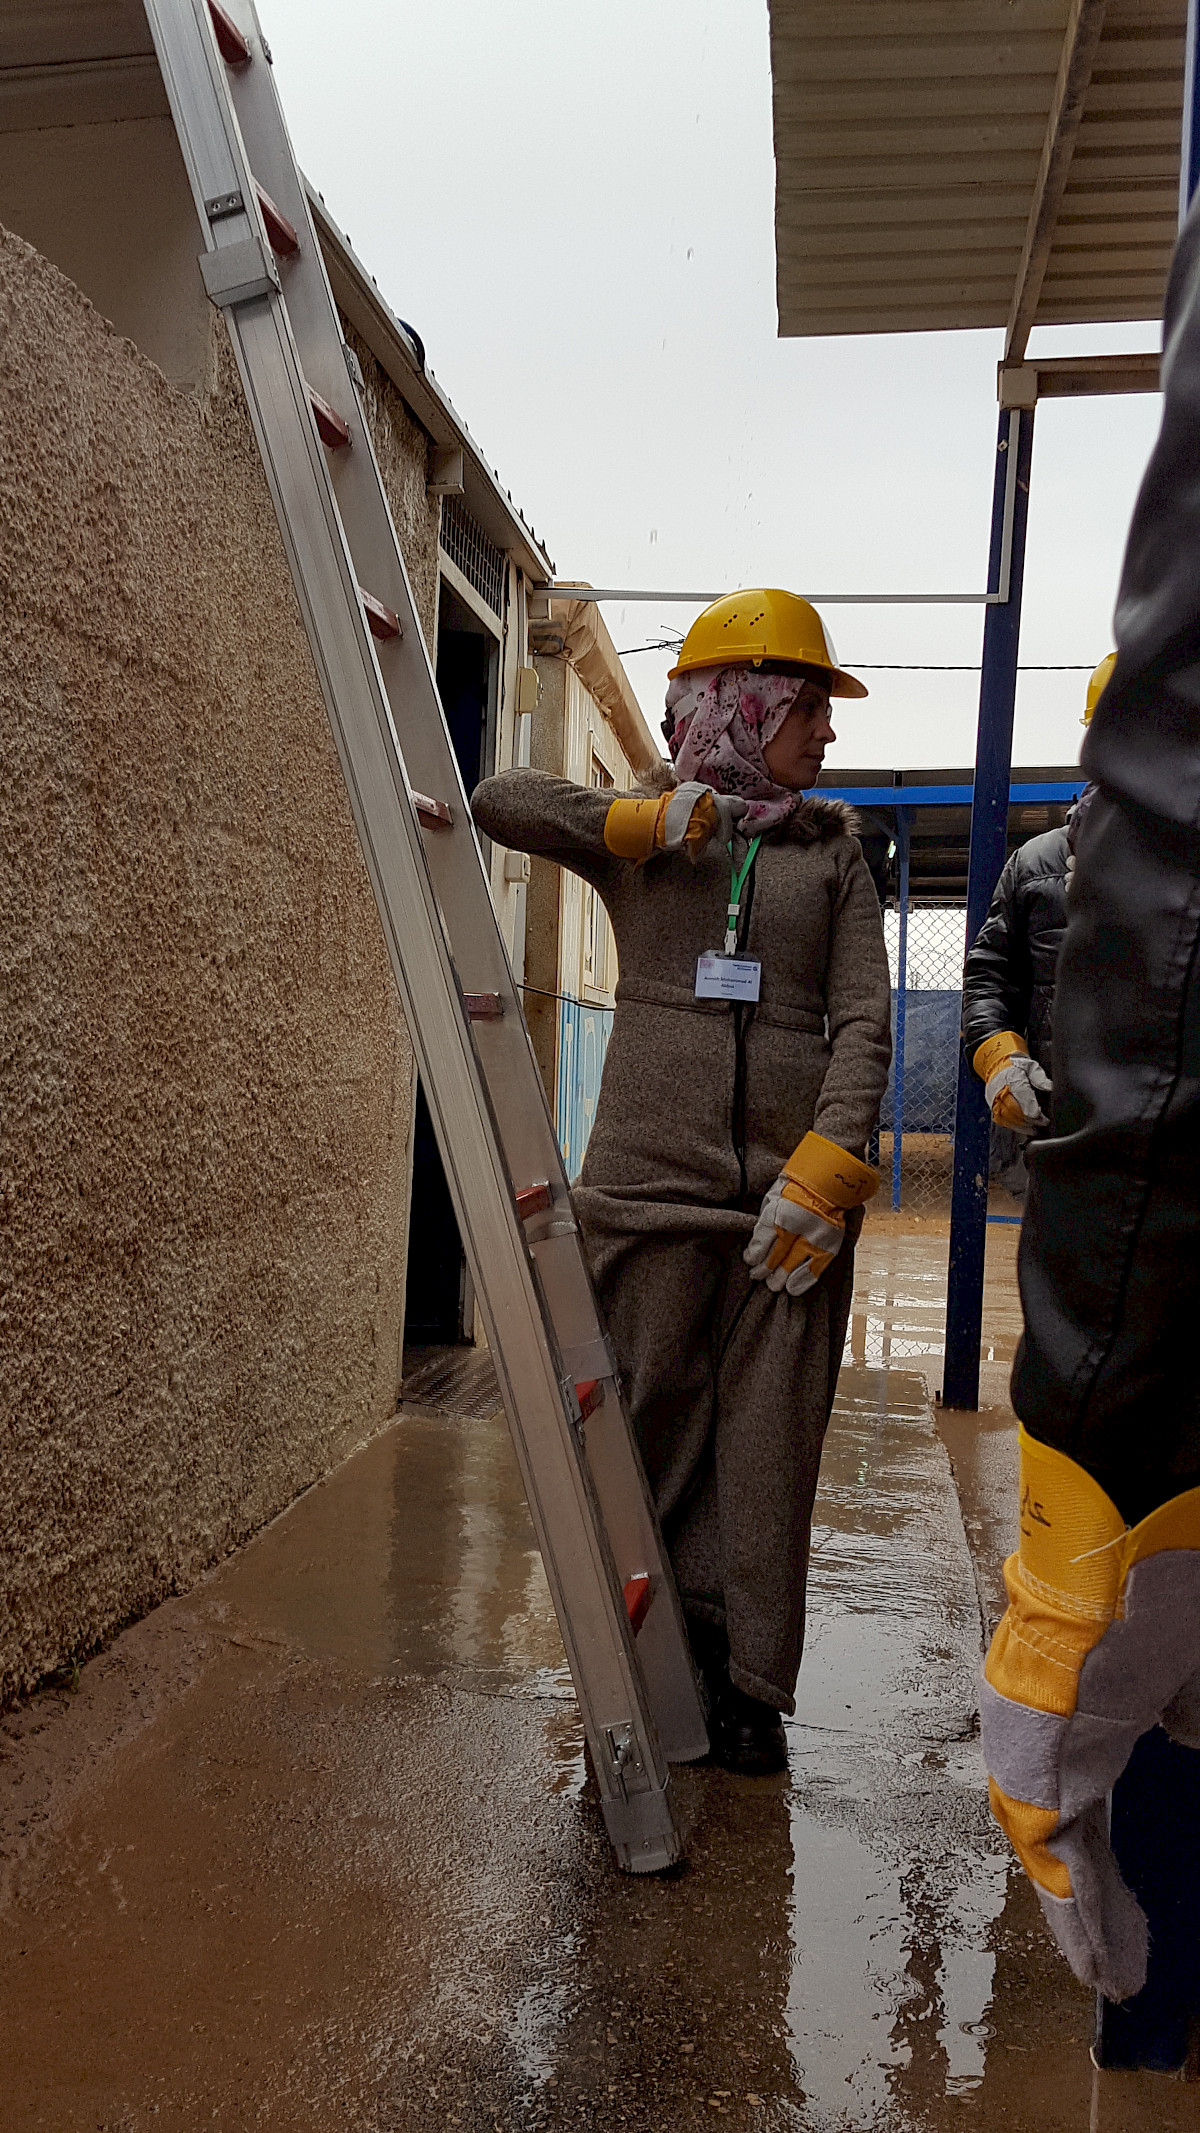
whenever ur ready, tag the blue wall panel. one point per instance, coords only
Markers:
(583, 1034)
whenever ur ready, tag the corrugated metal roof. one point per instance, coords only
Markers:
(909, 135)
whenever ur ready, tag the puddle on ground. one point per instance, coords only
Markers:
(898, 1313)
(363, 1880)
(417, 1558)
(891, 1909)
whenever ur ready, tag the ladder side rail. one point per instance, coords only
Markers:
(504, 1047)
(631, 1775)
(582, 1576)
(430, 762)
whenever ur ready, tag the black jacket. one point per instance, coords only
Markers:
(1110, 1249)
(1008, 982)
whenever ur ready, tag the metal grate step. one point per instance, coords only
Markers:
(453, 1381)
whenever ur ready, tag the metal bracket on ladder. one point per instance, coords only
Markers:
(639, 1696)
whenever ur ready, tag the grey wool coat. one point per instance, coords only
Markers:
(700, 1105)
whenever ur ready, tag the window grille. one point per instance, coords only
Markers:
(478, 558)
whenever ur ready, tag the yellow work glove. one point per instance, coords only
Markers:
(1101, 1641)
(802, 1223)
(1013, 1083)
(685, 819)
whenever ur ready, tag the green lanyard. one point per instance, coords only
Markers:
(738, 877)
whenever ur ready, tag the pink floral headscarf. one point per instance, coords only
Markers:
(719, 719)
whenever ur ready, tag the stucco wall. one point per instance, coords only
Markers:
(205, 1081)
(402, 449)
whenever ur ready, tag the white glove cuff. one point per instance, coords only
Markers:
(679, 811)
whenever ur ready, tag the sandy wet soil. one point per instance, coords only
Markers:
(314, 1847)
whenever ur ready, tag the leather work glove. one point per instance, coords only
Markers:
(1013, 1083)
(802, 1222)
(685, 819)
(1101, 1641)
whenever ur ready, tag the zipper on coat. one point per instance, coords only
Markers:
(743, 1017)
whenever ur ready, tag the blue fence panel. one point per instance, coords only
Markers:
(583, 1034)
(931, 1023)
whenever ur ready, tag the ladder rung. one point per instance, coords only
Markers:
(589, 1395)
(230, 42)
(383, 623)
(435, 812)
(333, 431)
(637, 1599)
(282, 236)
(533, 1200)
(483, 1006)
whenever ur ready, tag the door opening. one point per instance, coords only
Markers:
(439, 1300)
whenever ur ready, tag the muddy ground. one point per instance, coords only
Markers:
(314, 1846)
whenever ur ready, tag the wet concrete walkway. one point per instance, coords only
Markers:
(314, 1847)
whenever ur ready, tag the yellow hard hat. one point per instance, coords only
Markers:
(1097, 685)
(745, 628)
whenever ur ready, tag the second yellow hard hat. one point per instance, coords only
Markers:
(1097, 685)
(746, 628)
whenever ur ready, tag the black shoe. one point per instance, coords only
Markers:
(747, 1735)
(710, 1650)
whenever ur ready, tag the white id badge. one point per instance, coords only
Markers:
(727, 977)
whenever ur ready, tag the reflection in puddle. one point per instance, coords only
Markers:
(899, 1308)
(891, 1975)
(897, 1876)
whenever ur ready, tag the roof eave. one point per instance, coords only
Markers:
(359, 298)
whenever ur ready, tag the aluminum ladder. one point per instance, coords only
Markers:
(615, 1597)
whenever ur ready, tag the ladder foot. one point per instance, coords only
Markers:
(643, 1831)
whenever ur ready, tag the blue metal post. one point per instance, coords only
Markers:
(989, 831)
(902, 844)
(1156, 1802)
(1189, 160)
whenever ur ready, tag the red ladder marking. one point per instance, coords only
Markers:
(638, 1594)
(483, 1006)
(434, 812)
(333, 431)
(282, 236)
(589, 1396)
(533, 1200)
(380, 619)
(230, 42)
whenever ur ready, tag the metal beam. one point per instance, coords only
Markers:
(1077, 377)
(989, 835)
(1056, 793)
(1084, 25)
(902, 850)
(1189, 156)
(705, 599)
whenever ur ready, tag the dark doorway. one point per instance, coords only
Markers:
(439, 1304)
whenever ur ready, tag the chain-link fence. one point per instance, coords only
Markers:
(916, 1126)
(914, 1147)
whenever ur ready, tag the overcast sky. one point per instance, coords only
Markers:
(574, 206)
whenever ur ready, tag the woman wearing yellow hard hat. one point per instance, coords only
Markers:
(724, 1179)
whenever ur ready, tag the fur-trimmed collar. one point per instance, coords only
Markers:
(815, 821)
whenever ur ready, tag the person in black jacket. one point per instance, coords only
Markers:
(1101, 1640)
(1008, 982)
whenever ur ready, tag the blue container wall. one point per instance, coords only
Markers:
(583, 1034)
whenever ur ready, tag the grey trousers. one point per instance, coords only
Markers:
(730, 1390)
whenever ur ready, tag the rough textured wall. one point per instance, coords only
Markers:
(205, 1081)
(402, 449)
